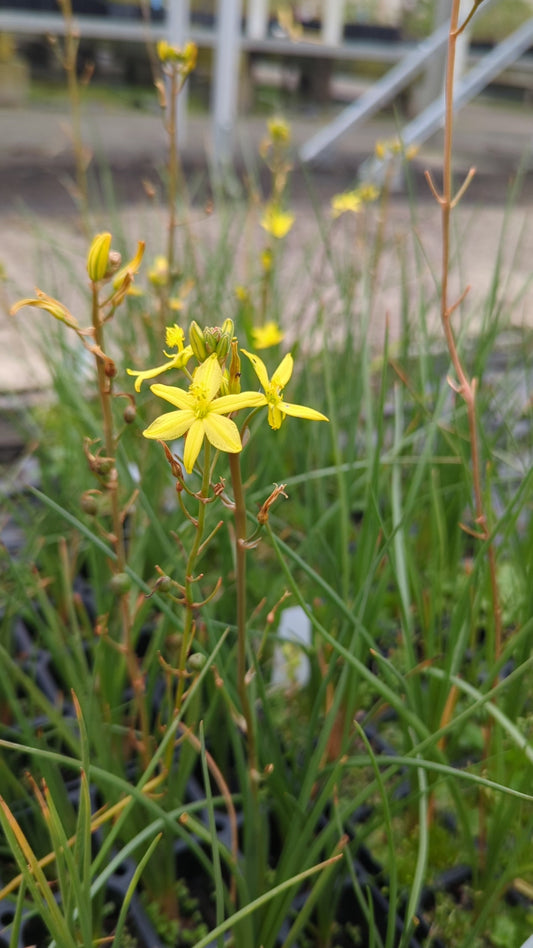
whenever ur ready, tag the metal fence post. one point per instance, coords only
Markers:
(178, 20)
(332, 22)
(226, 80)
(257, 19)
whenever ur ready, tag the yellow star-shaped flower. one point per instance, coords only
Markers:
(201, 414)
(266, 336)
(273, 389)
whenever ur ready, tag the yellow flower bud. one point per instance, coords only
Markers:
(98, 257)
(196, 339)
(234, 381)
(222, 347)
(279, 131)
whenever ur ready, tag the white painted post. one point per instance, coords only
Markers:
(178, 25)
(332, 22)
(226, 80)
(463, 42)
(432, 84)
(257, 19)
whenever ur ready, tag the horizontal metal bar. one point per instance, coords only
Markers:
(91, 27)
(378, 95)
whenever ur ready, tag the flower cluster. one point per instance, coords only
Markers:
(184, 59)
(214, 392)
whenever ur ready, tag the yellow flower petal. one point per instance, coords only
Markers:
(302, 411)
(222, 433)
(193, 444)
(283, 372)
(127, 272)
(229, 403)
(259, 368)
(170, 426)
(208, 375)
(275, 416)
(144, 374)
(176, 362)
(176, 396)
(50, 305)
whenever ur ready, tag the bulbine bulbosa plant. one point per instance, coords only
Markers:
(212, 413)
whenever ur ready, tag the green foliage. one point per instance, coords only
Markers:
(500, 20)
(156, 595)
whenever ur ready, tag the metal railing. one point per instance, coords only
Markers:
(226, 39)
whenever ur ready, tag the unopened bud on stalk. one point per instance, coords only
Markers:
(196, 339)
(234, 383)
(211, 339)
(98, 257)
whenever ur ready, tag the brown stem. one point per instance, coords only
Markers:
(105, 391)
(240, 563)
(173, 183)
(466, 387)
(189, 627)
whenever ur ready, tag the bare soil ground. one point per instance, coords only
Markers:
(42, 243)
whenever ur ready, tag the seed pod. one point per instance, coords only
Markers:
(89, 503)
(110, 369)
(165, 583)
(196, 662)
(120, 583)
(130, 413)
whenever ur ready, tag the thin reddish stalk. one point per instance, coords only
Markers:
(465, 387)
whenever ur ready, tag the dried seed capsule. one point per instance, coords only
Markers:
(130, 413)
(89, 503)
